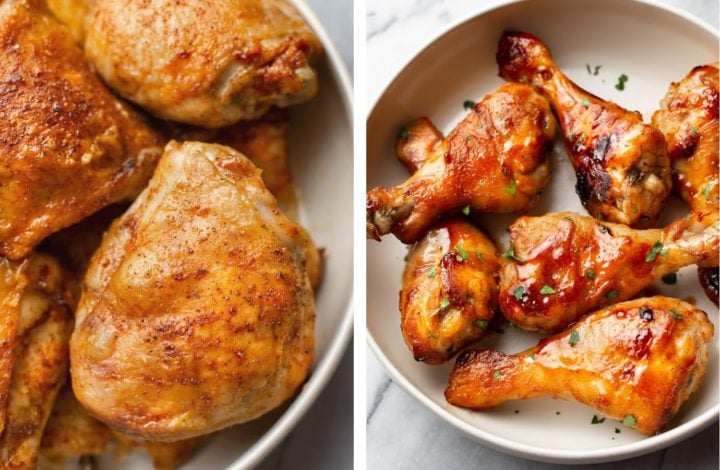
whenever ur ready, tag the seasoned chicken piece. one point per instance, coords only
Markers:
(636, 362)
(40, 359)
(417, 143)
(203, 62)
(67, 146)
(12, 286)
(622, 166)
(560, 266)
(165, 455)
(449, 291)
(72, 14)
(495, 160)
(71, 432)
(197, 310)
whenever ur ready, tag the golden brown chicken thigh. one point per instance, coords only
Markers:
(67, 146)
(197, 311)
(563, 265)
(202, 62)
(495, 160)
(449, 291)
(636, 362)
(622, 166)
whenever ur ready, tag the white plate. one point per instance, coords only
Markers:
(653, 45)
(321, 150)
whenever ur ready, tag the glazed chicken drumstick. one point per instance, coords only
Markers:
(495, 160)
(635, 361)
(449, 291)
(563, 265)
(689, 120)
(622, 166)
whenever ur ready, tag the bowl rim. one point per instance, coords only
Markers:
(325, 368)
(621, 452)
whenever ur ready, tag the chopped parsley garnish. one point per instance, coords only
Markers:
(462, 254)
(404, 133)
(433, 336)
(654, 251)
(512, 189)
(706, 190)
(510, 254)
(670, 278)
(466, 210)
(622, 79)
(597, 420)
(497, 375)
(432, 271)
(444, 303)
(675, 315)
(547, 290)
(478, 255)
(597, 69)
(613, 294)
(532, 356)
(629, 421)
(574, 338)
(468, 104)
(587, 66)
(693, 131)
(590, 274)
(519, 292)
(585, 102)
(481, 323)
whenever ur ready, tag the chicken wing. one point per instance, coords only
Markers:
(72, 14)
(67, 146)
(449, 291)
(40, 359)
(636, 362)
(560, 266)
(495, 160)
(12, 286)
(202, 62)
(622, 166)
(197, 310)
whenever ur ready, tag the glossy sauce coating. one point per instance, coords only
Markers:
(449, 291)
(621, 163)
(635, 362)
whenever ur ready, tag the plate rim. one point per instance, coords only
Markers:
(621, 452)
(325, 368)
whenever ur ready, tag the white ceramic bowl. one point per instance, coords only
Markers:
(653, 45)
(321, 151)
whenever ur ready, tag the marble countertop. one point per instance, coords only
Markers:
(323, 439)
(401, 433)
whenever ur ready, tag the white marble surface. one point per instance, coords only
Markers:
(323, 440)
(401, 433)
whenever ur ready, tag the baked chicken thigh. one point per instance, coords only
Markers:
(203, 62)
(495, 160)
(636, 362)
(68, 147)
(563, 265)
(449, 291)
(622, 166)
(197, 311)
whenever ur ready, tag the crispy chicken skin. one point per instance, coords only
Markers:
(635, 361)
(495, 160)
(72, 14)
(417, 143)
(567, 264)
(40, 359)
(12, 286)
(449, 291)
(202, 62)
(197, 310)
(67, 146)
(622, 166)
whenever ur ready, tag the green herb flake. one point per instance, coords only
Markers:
(497, 375)
(654, 251)
(433, 336)
(675, 315)
(432, 271)
(510, 254)
(622, 79)
(693, 131)
(512, 189)
(404, 133)
(597, 69)
(687, 218)
(574, 338)
(706, 190)
(532, 356)
(547, 290)
(478, 255)
(466, 210)
(585, 102)
(590, 274)
(629, 421)
(589, 70)
(519, 292)
(613, 294)
(596, 420)
(481, 323)
(462, 254)
(670, 279)
(468, 104)
(444, 303)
